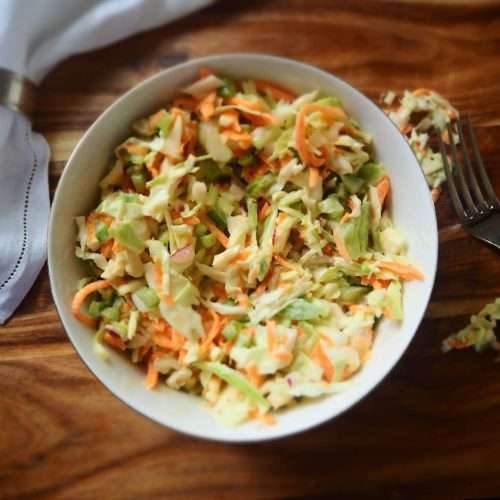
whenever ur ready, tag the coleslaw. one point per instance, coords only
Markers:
(242, 249)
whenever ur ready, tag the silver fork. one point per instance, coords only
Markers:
(476, 205)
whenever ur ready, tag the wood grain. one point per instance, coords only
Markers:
(430, 430)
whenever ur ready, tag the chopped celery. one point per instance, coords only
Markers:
(246, 160)
(148, 297)
(352, 183)
(208, 241)
(330, 101)
(164, 125)
(95, 308)
(212, 196)
(232, 330)
(218, 217)
(163, 237)
(228, 89)
(125, 235)
(352, 294)
(101, 231)
(301, 309)
(120, 328)
(252, 213)
(111, 313)
(200, 229)
(371, 173)
(210, 171)
(237, 380)
(331, 206)
(259, 186)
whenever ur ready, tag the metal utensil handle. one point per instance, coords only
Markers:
(17, 92)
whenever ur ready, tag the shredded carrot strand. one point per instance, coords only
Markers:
(152, 375)
(107, 248)
(314, 177)
(405, 271)
(204, 71)
(191, 220)
(206, 106)
(114, 341)
(221, 237)
(80, 297)
(271, 335)
(253, 375)
(277, 93)
(322, 359)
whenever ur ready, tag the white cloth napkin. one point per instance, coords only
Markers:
(34, 37)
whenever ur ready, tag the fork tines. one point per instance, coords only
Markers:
(472, 195)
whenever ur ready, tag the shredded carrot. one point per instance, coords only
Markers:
(267, 419)
(341, 248)
(154, 165)
(374, 282)
(245, 103)
(191, 220)
(182, 355)
(284, 356)
(114, 341)
(219, 290)
(318, 354)
(327, 339)
(283, 262)
(421, 91)
(261, 120)
(277, 93)
(243, 255)
(158, 275)
(215, 328)
(135, 149)
(404, 270)
(271, 335)
(314, 177)
(263, 284)
(445, 136)
(406, 129)
(243, 300)
(204, 71)
(126, 307)
(107, 248)
(80, 297)
(383, 188)
(354, 308)
(264, 211)
(328, 249)
(152, 375)
(253, 375)
(387, 313)
(206, 106)
(330, 113)
(282, 217)
(435, 193)
(221, 237)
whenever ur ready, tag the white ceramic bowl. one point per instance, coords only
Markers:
(78, 191)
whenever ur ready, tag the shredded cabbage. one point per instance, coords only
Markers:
(248, 244)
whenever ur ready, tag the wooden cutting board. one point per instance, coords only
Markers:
(429, 430)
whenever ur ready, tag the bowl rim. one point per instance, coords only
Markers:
(207, 60)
